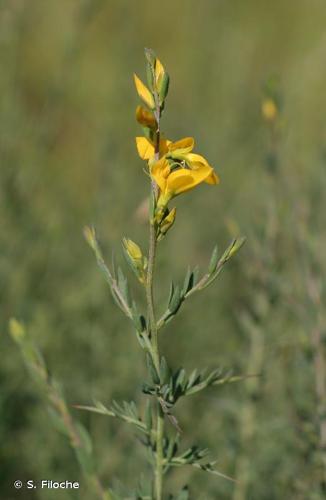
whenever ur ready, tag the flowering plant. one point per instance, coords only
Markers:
(173, 169)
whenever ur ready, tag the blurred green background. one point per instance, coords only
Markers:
(68, 159)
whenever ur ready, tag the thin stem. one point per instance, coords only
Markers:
(152, 321)
(150, 294)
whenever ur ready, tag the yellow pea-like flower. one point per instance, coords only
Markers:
(190, 169)
(173, 182)
(181, 150)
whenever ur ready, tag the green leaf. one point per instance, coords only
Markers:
(213, 261)
(164, 87)
(195, 275)
(181, 378)
(85, 438)
(188, 282)
(125, 411)
(137, 318)
(164, 371)
(175, 301)
(172, 448)
(84, 451)
(171, 292)
(152, 370)
(123, 286)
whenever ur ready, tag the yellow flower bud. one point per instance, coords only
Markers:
(167, 223)
(135, 259)
(145, 118)
(269, 110)
(133, 250)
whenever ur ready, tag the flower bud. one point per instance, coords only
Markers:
(167, 222)
(145, 118)
(133, 250)
(135, 258)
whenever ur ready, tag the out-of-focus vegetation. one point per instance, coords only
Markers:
(68, 159)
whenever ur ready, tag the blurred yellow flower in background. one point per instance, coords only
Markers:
(269, 109)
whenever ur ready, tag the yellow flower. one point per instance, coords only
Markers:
(189, 169)
(144, 93)
(173, 181)
(181, 151)
(178, 170)
(269, 109)
(145, 118)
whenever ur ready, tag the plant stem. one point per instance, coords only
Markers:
(152, 323)
(156, 360)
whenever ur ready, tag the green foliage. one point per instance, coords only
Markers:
(125, 411)
(172, 387)
(58, 410)
(192, 282)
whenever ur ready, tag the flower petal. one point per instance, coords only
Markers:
(194, 159)
(145, 148)
(183, 180)
(159, 71)
(164, 146)
(144, 93)
(180, 181)
(158, 173)
(184, 145)
(213, 178)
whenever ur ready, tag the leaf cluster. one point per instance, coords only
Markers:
(193, 283)
(170, 387)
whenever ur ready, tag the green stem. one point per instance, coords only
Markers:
(156, 360)
(152, 325)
